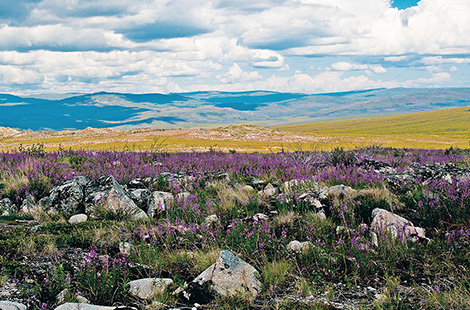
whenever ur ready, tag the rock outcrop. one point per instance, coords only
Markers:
(230, 275)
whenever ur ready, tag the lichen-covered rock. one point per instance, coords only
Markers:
(158, 202)
(109, 194)
(6, 207)
(68, 197)
(148, 287)
(230, 275)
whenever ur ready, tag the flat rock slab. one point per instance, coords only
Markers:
(82, 306)
(11, 305)
(148, 287)
(231, 275)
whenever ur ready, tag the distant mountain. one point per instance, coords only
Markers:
(121, 110)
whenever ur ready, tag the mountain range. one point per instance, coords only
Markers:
(205, 109)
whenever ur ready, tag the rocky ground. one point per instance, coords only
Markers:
(373, 228)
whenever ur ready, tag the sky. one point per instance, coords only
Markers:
(163, 46)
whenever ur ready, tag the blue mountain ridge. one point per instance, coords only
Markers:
(192, 109)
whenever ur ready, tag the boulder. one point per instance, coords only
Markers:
(397, 225)
(82, 306)
(229, 276)
(158, 202)
(78, 218)
(140, 197)
(68, 197)
(11, 305)
(148, 287)
(109, 194)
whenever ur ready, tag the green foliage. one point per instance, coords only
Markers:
(338, 156)
(103, 280)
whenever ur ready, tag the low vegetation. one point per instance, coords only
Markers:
(341, 266)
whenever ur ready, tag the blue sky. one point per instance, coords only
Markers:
(309, 46)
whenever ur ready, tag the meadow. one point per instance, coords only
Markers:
(342, 266)
(428, 130)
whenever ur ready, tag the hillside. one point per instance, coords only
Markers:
(214, 109)
(435, 129)
(423, 129)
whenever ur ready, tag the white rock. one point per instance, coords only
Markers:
(183, 195)
(260, 217)
(270, 190)
(383, 219)
(78, 218)
(231, 275)
(299, 247)
(82, 306)
(125, 248)
(211, 219)
(11, 305)
(148, 287)
(248, 188)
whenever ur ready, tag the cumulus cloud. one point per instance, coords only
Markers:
(236, 74)
(347, 66)
(170, 45)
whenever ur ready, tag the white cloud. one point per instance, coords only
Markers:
(444, 60)
(347, 66)
(236, 74)
(453, 69)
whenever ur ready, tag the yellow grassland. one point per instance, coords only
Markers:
(437, 129)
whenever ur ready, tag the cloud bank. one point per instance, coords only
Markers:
(55, 46)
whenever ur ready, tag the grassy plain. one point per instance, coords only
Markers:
(436, 129)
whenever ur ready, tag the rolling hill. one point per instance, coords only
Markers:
(213, 109)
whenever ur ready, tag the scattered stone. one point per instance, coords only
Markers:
(341, 191)
(397, 225)
(156, 305)
(156, 204)
(148, 287)
(320, 215)
(6, 207)
(109, 194)
(11, 305)
(140, 197)
(68, 197)
(28, 206)
(375, 239)
(82, 306)
(78, 218)
(269, 190)
(260, 217)
(299, 247)
(211, 219)
(229, 276)
(248, 188)
(125, 248)
(183, 196)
